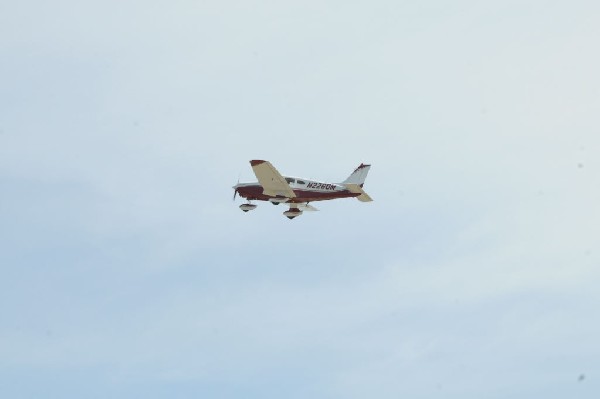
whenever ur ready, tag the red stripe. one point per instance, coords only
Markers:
(255, 193)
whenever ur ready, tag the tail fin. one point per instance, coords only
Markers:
(359, 175)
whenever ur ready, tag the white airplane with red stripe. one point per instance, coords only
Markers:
(296, 192)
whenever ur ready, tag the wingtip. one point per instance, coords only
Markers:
(255, 162)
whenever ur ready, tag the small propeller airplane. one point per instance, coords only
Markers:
(297, 192)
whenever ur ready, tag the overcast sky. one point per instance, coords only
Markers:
(127, 271)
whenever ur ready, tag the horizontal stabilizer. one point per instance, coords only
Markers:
(355, 188)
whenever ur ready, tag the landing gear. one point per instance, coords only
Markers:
(247, 207)
(292, 212)
(277, 200)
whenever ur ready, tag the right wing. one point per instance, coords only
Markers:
(271, 180)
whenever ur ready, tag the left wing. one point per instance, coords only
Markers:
(271, 180)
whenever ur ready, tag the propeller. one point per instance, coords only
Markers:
(235, 190)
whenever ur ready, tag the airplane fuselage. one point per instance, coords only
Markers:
(305, 191)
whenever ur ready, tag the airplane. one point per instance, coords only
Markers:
(297, 193)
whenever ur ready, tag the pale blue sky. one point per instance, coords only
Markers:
(127, 271)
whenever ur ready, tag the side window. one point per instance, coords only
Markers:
(300, 182)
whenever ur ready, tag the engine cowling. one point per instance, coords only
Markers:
(247, 207)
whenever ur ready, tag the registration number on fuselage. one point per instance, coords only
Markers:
(321, 186)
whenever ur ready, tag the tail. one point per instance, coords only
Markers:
(359, 175)
(356, 180)
(355, 188)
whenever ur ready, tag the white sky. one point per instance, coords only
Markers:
(126, 270)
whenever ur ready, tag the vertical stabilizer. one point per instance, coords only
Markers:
(359, 175)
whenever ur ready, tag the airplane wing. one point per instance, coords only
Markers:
(271, 180)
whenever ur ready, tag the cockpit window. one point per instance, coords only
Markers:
(289, 180)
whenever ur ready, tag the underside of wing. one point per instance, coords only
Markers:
(272, 182)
